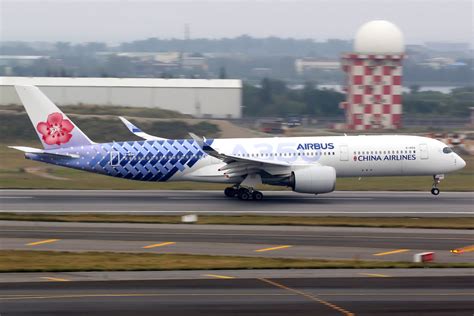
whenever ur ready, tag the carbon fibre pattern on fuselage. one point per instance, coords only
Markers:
(136, 160)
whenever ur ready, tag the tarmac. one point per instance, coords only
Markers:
(450, 295)
(428, 291)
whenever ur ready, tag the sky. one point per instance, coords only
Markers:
(114, 21)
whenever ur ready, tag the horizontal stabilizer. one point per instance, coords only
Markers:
(31, 150)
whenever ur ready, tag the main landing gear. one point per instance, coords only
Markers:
(243, 193)
(436, 180)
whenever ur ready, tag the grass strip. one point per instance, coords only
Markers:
(52, 261)
(340, 221)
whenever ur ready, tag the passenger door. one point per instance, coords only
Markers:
(344, 153)
(423, 151)
(114, 158)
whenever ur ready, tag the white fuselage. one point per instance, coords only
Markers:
(351, 156)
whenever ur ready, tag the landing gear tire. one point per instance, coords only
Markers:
(230, 192)
(436, 180)
(244, 194)
(257, 195)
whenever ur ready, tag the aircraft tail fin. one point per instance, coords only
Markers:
(53, 127)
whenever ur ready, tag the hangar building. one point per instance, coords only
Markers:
(202, 98)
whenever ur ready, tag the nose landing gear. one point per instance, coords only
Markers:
(436, 180)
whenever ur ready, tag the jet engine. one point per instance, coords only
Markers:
(313, 179)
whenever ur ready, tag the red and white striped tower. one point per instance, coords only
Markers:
(374, 78)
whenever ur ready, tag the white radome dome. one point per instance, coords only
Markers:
(379, 37)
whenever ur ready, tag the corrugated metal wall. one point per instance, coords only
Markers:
(216, 102)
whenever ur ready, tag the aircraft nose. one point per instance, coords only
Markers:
(460, 162)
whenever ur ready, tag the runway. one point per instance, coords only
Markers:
(236, 292)
(276, 296)
(342, 203)
(390, 244)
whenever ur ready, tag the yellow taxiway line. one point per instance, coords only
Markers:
(217, 276)
(47, 241)
(376, 275)
(309, 296)
(273, 248)
(159, 245)
(46, 297)
(54, 279)
(391, 252)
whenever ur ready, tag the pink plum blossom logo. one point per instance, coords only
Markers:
(56, 130)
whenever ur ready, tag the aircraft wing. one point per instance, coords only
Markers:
(240, 166)
(138, 132)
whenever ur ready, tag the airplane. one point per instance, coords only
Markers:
(305, 164)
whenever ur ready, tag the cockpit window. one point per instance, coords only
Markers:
(447, 150)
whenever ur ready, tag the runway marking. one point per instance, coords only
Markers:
(47, 241)
(273, 198)
(273, 248)
(397, 294)
(16, 197)
(55, 279)
(308, 296)
(159, 245)
(31, 297)
(391, 252)
(463, 249)
(217, 276)
(375, 275)
(236, 212)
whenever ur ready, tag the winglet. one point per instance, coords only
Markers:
(138, 132)
(132, 128)
(199, 140)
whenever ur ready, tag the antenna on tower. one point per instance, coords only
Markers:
(187, 32)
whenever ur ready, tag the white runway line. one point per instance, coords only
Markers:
(16, 197)
(273, 198)
(237, 212)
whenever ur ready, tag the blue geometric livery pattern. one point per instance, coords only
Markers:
(137, 160)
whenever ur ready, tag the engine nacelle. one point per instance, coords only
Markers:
(313, 179)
